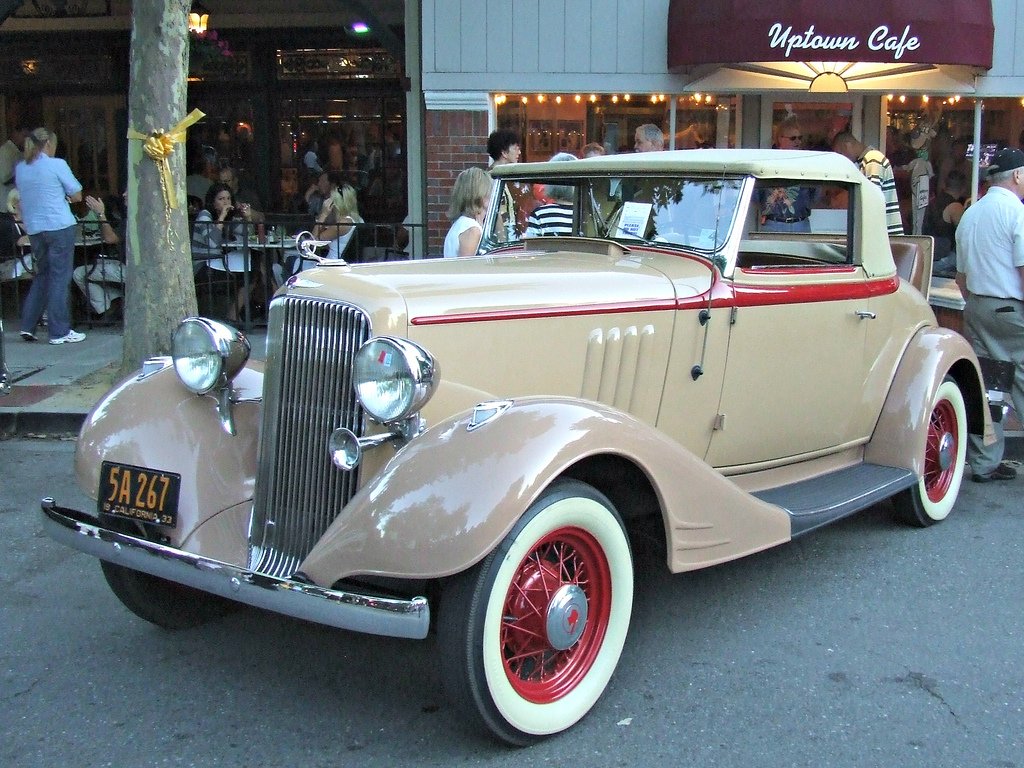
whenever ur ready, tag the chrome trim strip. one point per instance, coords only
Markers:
(335, 608)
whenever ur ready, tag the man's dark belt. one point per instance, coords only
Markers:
(995, 298)
(786, 219)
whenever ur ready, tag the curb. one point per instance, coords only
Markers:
(40, 424)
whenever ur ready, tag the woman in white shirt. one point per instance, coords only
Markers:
(469, 202)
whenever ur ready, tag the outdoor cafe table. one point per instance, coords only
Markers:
(239, 256)
(281, 248)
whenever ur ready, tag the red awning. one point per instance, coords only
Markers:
(934, 32)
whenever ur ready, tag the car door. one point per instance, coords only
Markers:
(796, 365)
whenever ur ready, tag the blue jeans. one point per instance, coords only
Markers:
(54, 253)
(768, 225)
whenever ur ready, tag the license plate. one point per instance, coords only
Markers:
(139, 493)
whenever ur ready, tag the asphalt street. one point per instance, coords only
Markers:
(864, 644)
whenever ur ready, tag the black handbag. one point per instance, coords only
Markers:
(9, 235)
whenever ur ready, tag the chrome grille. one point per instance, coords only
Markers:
(307, 394)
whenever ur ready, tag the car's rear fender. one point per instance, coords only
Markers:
(933, 353)
(448, 498)
(155, 422)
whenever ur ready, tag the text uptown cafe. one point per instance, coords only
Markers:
(880, 39)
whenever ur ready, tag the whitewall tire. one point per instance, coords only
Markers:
(531, 636)
(931, 500)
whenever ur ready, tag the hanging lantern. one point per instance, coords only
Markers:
(198, 19)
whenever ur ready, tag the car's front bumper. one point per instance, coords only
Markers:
(335, 608)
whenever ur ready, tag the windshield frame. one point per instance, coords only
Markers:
(592, 221)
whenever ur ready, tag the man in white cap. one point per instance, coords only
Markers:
(990, 273)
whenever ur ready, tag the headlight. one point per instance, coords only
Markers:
(394, 378)
(207, 354)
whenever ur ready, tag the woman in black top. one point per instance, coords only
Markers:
(940, 219)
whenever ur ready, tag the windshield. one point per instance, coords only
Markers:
(692, 213)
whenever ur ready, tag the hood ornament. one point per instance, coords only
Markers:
(307, 246)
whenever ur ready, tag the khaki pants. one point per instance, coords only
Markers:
(995, 328)
(101, 282)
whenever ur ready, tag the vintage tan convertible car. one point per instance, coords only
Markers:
(467, 444)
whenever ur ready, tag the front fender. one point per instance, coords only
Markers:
(448, 498)
(899, 436)
(155, 422)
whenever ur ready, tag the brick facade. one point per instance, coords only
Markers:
(454, 141)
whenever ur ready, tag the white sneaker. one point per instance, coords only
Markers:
(71, 338)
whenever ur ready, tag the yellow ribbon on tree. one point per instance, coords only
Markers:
(158, 147)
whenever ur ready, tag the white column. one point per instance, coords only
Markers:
(979, 106)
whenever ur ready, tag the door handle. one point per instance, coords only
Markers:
(865, 314)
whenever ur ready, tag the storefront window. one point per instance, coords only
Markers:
(225, 138)
(819, 122)
(87, 136)
(277, 89)
(613, 120)
(1001, 122)
(948, 143)
(705, 120)
(363, 138)
(551, 123)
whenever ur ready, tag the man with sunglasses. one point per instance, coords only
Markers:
(787, 209)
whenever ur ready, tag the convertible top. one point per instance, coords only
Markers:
(760, 163)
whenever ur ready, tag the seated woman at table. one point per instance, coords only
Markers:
(220, 223)
(218, 237)
(102, 279)
(338, 215)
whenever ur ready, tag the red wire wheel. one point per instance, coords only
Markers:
(532, 634)
(940, 451)
(543, 612)
(931, 498)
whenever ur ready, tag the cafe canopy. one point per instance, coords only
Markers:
(830, 47)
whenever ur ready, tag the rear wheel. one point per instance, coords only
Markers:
(165, 603)
(932, 499)
(530, 637)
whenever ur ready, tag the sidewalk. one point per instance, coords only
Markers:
(54, 386)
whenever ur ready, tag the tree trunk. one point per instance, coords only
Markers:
(159, 285)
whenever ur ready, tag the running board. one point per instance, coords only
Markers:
(823, 499)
